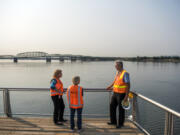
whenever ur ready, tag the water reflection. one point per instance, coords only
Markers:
(159, 81)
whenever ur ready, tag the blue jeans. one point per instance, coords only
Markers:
(79, 117)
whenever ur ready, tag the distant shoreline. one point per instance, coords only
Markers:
(173, 59)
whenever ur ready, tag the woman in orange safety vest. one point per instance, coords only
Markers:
(75, 101)
(56, 90)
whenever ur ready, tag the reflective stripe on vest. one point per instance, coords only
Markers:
(118, 86)
(54, 92)
(60, 92)
(79, 105)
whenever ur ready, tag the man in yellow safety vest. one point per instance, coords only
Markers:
(120, 87)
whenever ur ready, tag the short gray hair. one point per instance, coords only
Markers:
(119, 62)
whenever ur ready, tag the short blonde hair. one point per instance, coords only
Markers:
(76, 80)
(56, 73)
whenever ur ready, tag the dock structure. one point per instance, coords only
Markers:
(145, 117)
(45, 126)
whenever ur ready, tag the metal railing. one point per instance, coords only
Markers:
(155, 108)
(167, 115)
(7, 102)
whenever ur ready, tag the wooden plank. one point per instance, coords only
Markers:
(39, 126)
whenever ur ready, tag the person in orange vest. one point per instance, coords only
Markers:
(75, 101)
(56, 90)
(120, 87)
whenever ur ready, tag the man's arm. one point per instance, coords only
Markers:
(126, 79)
(127, 92)
(110, 86)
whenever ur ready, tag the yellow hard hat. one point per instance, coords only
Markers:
(130, 95)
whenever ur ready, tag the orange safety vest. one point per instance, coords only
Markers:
(59, 88)
(119, 85)
(74, 96)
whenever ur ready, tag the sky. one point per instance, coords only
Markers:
(120, 28)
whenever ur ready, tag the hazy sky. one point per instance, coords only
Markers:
(91, 27)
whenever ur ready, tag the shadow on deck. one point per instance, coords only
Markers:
(45, 126)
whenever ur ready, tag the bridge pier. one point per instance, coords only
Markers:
(73, 58)
(48, 59)
(87, 58)
(61, 59)
(83, 59)
(15, 59)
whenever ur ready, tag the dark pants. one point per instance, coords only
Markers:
(116, 101)
(58, 108)
(79, 117)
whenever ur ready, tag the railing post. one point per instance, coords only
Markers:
(15, 59)
(48, 59)
(134, 107)
(7, 104)
(169, 124)
(172, 125)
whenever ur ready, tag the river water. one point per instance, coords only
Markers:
(158, 81)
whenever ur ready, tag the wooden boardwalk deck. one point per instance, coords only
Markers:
(45, 126)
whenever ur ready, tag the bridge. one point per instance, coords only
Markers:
(62, 57)
(49, 57)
